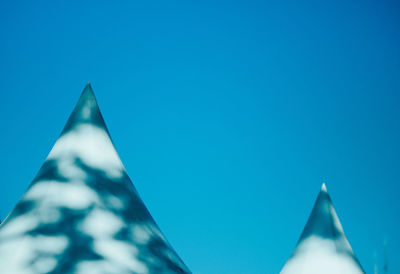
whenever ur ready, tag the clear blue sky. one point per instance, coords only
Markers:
(228, 115)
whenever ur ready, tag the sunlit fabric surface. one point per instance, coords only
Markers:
(323, 247)
(82, 214)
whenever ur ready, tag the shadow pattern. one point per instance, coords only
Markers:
(81, 213)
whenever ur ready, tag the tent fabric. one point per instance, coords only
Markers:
(323, 247)
(81, 213)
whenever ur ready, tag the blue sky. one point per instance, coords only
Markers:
(228, 115)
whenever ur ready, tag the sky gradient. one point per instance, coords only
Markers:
(228, 115)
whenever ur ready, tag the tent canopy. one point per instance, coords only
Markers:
(81, 213)
(323, 246)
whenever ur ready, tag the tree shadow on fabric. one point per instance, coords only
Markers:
(112, 217)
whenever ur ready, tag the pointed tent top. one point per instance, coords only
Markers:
(323, 188)
(323, 239)
(87, 92)
(87, 197)
(86, 111)
(323, 220)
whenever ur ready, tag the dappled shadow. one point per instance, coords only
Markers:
(82, 214)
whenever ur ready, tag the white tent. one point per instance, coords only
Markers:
(81, 213)
(323, 247)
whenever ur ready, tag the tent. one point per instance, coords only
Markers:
(323, 246)
(81, 213)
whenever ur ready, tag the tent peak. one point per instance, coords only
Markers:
(88, 90)
(86, 111)
(323, 188)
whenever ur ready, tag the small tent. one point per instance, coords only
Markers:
(323, 246)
